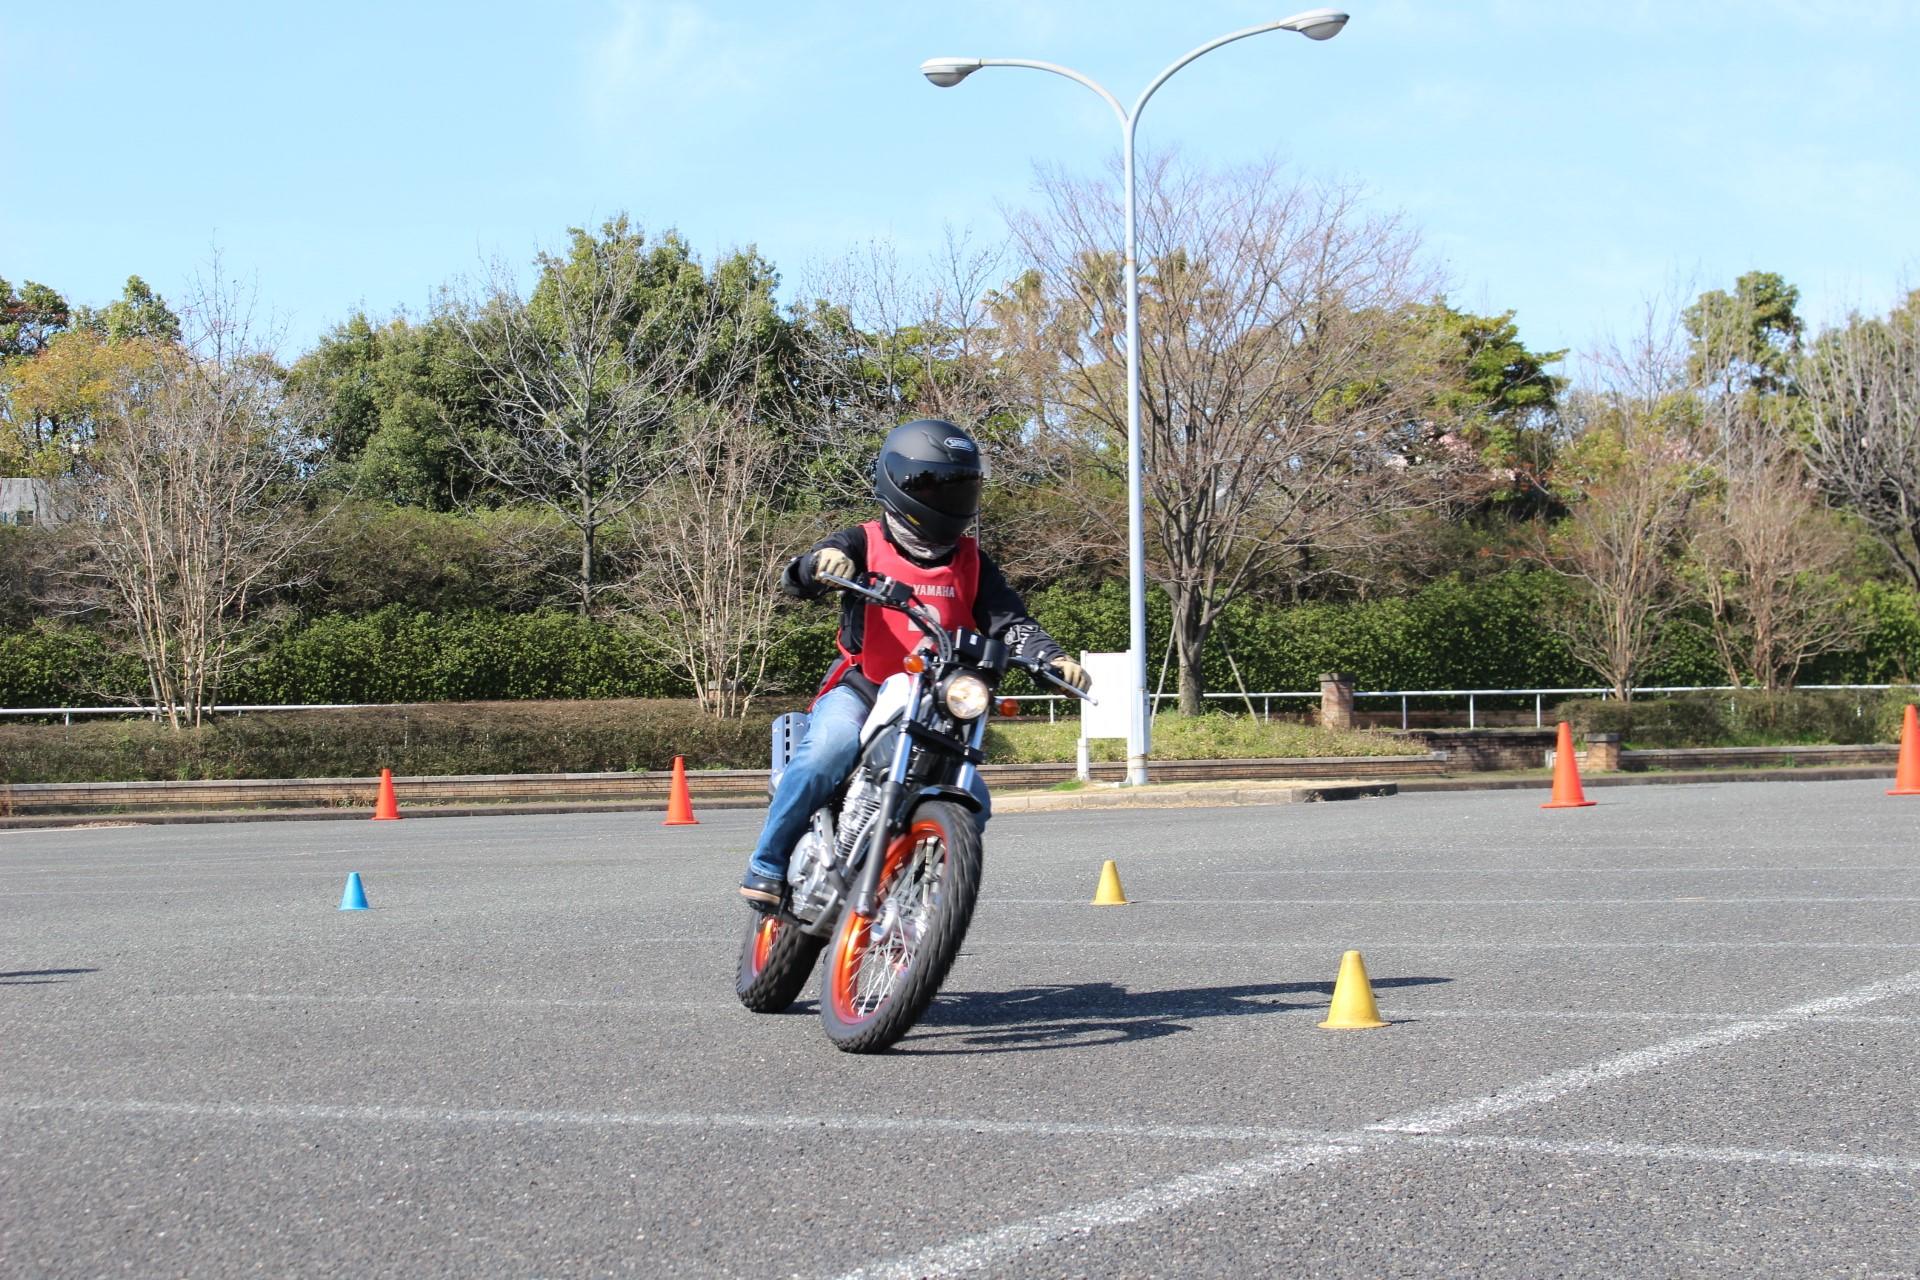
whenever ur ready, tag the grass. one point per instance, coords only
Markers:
(1206, 737)
(555, 737)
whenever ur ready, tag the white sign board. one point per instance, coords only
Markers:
(1109, 716)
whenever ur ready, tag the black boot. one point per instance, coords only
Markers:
(763, 893)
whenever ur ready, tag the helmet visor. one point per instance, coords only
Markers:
(952, 490)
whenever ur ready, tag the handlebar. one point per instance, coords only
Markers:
(903, 600)
(900, 598)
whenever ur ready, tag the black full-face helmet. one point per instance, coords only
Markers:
(929, 474)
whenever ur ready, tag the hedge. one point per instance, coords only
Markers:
(1486, 634)
(1453, 634)
(542, 737)
(433, 739)
(1745, 718)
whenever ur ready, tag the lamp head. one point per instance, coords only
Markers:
(1316, 24)
(947, 72)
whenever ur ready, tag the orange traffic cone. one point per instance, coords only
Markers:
(385, 807)
(1906, 779)
(1566, 775)
(679, 803)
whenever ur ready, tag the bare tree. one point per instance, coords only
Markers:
(186, 500)
(1279, 442)
(1765, 560)
(1765, 556)
(884, 341)
(1633, 480)
(708, 551)
(1862, 387)
(583, 380)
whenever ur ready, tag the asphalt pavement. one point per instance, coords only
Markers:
(1670, 1034)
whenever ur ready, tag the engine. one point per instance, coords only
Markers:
(825, 846)
(857, 812)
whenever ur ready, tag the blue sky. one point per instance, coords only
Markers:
(1567, 161)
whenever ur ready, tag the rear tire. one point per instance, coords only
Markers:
(882, 973)
(776, 959)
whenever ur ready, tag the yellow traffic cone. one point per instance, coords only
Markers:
(1109, 894)
(1353, 1005)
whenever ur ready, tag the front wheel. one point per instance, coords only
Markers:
(775, 959)
(882, 972)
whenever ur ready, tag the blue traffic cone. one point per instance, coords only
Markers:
(355, 898)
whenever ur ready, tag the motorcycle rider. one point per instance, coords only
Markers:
(927, 478)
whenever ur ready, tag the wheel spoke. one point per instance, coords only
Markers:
(907, 903)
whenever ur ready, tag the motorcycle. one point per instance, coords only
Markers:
(888, 870)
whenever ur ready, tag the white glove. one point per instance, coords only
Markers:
(1072, 673)
(834, 561)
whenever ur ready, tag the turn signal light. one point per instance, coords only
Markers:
(914, 664)
(1008, 707)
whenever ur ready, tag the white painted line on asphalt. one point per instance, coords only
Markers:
(1629, 1015)
(727, 1008)
(1838, 1161)
(1319, 1141)
(977, 944)
(638, 1004)
(1667, 901)
(990, 1248)
(1523, 870)
(1549, 1088)
(509, 1117)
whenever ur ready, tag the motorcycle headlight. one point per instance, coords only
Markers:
(967, 697)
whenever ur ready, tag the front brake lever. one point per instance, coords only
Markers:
(845, 584)
(1043, 673)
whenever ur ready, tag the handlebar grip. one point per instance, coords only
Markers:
(1040, 672)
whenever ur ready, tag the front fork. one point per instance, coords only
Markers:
(867, 888)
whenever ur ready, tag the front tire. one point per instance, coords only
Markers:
(882, 973)
(776, 958)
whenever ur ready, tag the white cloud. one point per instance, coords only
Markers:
(670, 55)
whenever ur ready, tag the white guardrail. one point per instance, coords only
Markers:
(1265, 698)
(1539, 696)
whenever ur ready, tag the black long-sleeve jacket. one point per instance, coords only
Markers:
(998, 610)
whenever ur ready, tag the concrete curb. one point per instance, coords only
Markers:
(1197, 796)
(1679, 777)
(1175, 795)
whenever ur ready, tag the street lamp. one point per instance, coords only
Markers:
(1315, 24)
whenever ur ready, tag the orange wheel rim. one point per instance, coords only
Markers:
(763, 938)
(851, 987)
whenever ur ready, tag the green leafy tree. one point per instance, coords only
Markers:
(1491, 392)
(29, 317)
(139, 312)
(388, 400)
(1745, 340)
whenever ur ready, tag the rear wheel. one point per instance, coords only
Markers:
(775, 961)
(882, 972)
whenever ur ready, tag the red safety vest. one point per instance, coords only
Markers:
(888, 635)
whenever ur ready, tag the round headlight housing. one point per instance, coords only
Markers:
(967, 697)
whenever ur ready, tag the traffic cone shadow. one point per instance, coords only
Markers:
(385, 807)
(679, 801)
(1353, 1008)
(1566, 775)
(355, 897)
(1906, 779)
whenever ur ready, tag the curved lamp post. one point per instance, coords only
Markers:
(1315, 24)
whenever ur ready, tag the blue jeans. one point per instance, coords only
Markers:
(824, 758)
